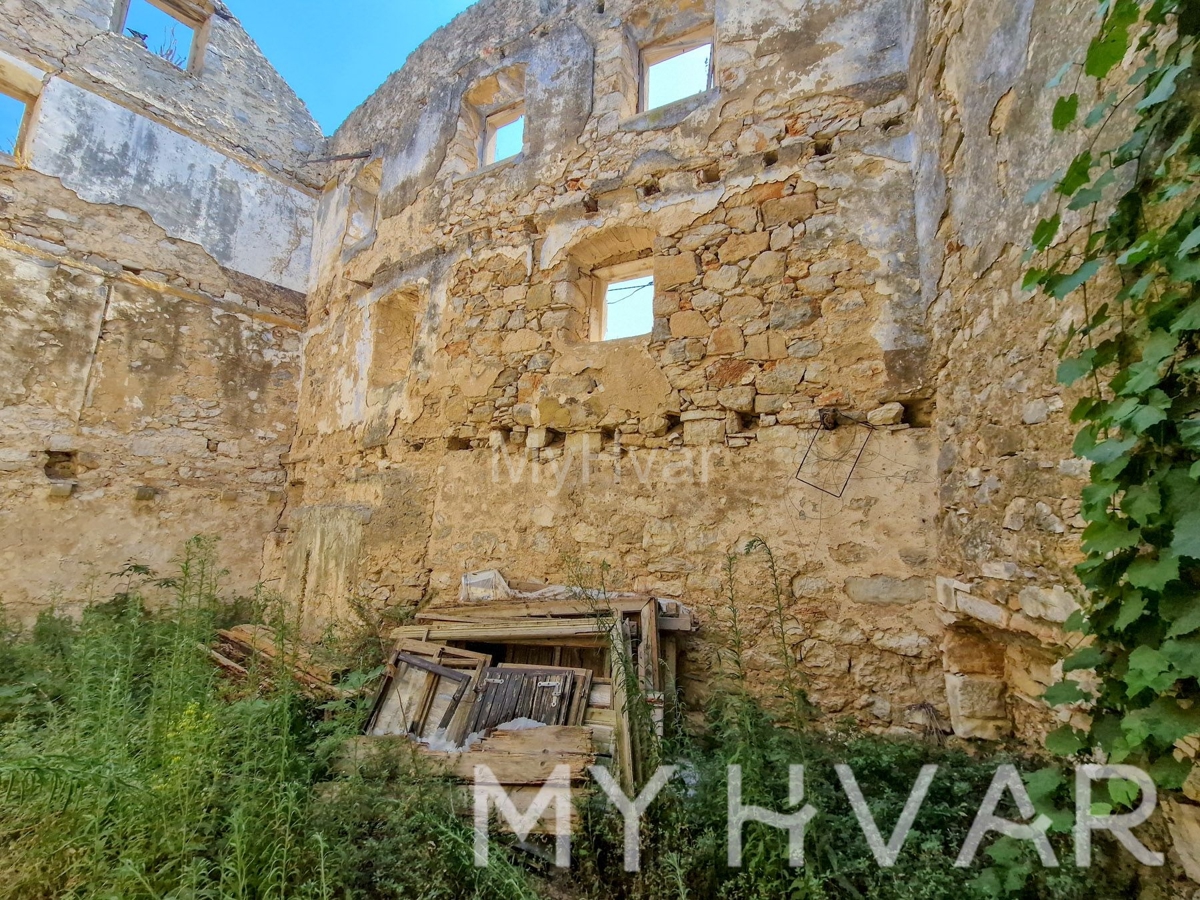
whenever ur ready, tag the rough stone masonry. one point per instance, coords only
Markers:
(374, 362)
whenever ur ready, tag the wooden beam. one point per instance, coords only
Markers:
(503, 631)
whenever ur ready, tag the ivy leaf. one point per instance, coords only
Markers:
(1109, 536)
(1078, 174)
(1146, 418)
(1154, 574)
(1164, 720)
(1189, 433)
(1170, 773)
(1082, 660)
(1065, 741)
(1188, 320)
(1107, 451)
(1184, 656)
(1071, 370)
(1164, 90)
(1046, 231)
(1161, 346)
(1137, 290)
(1186, 541)
(1110, 46)
(1138, 253)
(1065, 112)
(1063, 285)
(1131, 610)
(1076, 623)
(1148, 668)
(1123, 792)
(1064, 693)
(1039, 190)
(1189, 243)
(1141, 502)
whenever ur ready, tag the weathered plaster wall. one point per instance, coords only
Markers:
(106, 154)
(154, 259)
(451, 396)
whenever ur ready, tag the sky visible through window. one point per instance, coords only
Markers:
(678, 77)
(630, 308)
(510, 140)
(12, 114)
(165, 35)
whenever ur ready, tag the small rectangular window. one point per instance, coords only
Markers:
(13, 112)
(163, 30)
(504, 136)
(625, 306)
(676, 71)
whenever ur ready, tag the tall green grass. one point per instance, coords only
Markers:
(130, 769)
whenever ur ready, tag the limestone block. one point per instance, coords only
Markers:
(1002, 571)
(784, 377)
(768, 345)
(689, 323)
(969, 653)
(537, 438)
(673, 271)
(770, 404)
(889, 414)
(789, 210)
(521, 341)
(739, 399)
(726, 339)
(585, 442)
(1053, 604)
(982, 610)
(769, 266)
(704, 431)
(741, 309)
(743, 246)
(908, 644)
(974, 697)
(1183, 822)
(723, 280)
(887, 590)
(779, 436)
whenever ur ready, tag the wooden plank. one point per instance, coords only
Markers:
(601, 694)
(479, 612)
(604, 717)
(502, 631)
(652, 670)
(549, 739)
(510, 768)
(624, 744)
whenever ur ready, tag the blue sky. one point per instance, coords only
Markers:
(336, 54)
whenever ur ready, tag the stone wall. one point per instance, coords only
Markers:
(1009, 526)
(155, 241)
(837, 225)
(455, 415)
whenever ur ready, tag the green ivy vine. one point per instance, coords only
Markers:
(1138, 356)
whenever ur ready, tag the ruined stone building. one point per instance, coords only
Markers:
(375, 362)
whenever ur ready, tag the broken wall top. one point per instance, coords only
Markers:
(235, 101)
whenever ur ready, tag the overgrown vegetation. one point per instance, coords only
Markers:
(1139, 357)
(684, 854)
(130, 769)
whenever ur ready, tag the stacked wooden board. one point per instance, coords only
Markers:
(555, 664)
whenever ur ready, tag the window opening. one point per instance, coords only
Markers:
(162, 31)
(677, 71)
